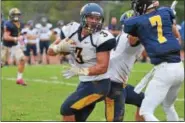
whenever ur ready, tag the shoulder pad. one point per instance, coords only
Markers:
(103, 36)
(165, 8)
(38, 25)
(49, 25)
(70, 28)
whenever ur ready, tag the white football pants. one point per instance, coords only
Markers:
(163, 89)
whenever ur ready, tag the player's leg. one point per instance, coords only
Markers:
(19, 55)
(34, 48)
(47, 43)
(87, 93)
(159, 85)
(168, 103)
(41, 46)
(133, 98)
(27, 53)
(114, 103)
(82, 115)
(4, 55)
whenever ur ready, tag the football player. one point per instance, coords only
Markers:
(122, 59)
(155, 29)
(92, 50)
(11, 38)
(32, 40)
(44, 37)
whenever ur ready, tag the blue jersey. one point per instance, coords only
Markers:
(155, 33)
(2, 25)
(14, 31)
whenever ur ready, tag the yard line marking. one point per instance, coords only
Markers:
(180, 99)
(59, 82)
(43, 81)
(181, 119)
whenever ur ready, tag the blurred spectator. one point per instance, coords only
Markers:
(113, 27)
(56, 31)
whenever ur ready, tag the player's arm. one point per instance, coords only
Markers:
(176, 33)
(31, 37)
(133, 41)
(174, 28)
(101, 65)
(130, 26)
(103, 54)
(7, 36)
(51, 51)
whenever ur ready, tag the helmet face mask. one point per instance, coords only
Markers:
(92, 17)
(44, 21)
(141, 6)
(93, 23)
(15, 14)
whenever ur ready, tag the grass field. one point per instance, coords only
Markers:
(47, 89)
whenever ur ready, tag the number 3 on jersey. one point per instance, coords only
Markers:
(156, 20)
(78, 56)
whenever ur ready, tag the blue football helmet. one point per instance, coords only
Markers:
(14, 14)
(125, 15)
(141, 6)
(91, 9)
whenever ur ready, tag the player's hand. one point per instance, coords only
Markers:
(20, 38)
(65, 45)
(74, 70)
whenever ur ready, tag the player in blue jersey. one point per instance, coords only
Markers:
(12, 41)
(156, 31)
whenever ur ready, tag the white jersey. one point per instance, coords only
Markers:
(44, 31)
(85, 55)
(33, 31)
(58, 31)
(123, 57)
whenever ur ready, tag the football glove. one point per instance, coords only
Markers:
(74, 70)
(65, 45)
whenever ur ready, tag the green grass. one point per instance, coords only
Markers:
(47, 89)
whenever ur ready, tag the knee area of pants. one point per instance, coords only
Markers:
(145, 112)
(66, 110)
(21, 58)
(167, 108)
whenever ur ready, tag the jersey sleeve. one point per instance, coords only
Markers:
(170, 11)
(105, 42)
(172, 15)
(130, 27)
(8, 26)
(67, 29)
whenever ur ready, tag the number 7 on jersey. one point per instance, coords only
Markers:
(156, 20)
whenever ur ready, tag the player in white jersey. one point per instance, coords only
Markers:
(44, 37)
(31, 34)
(123, 57)
(92, 51)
